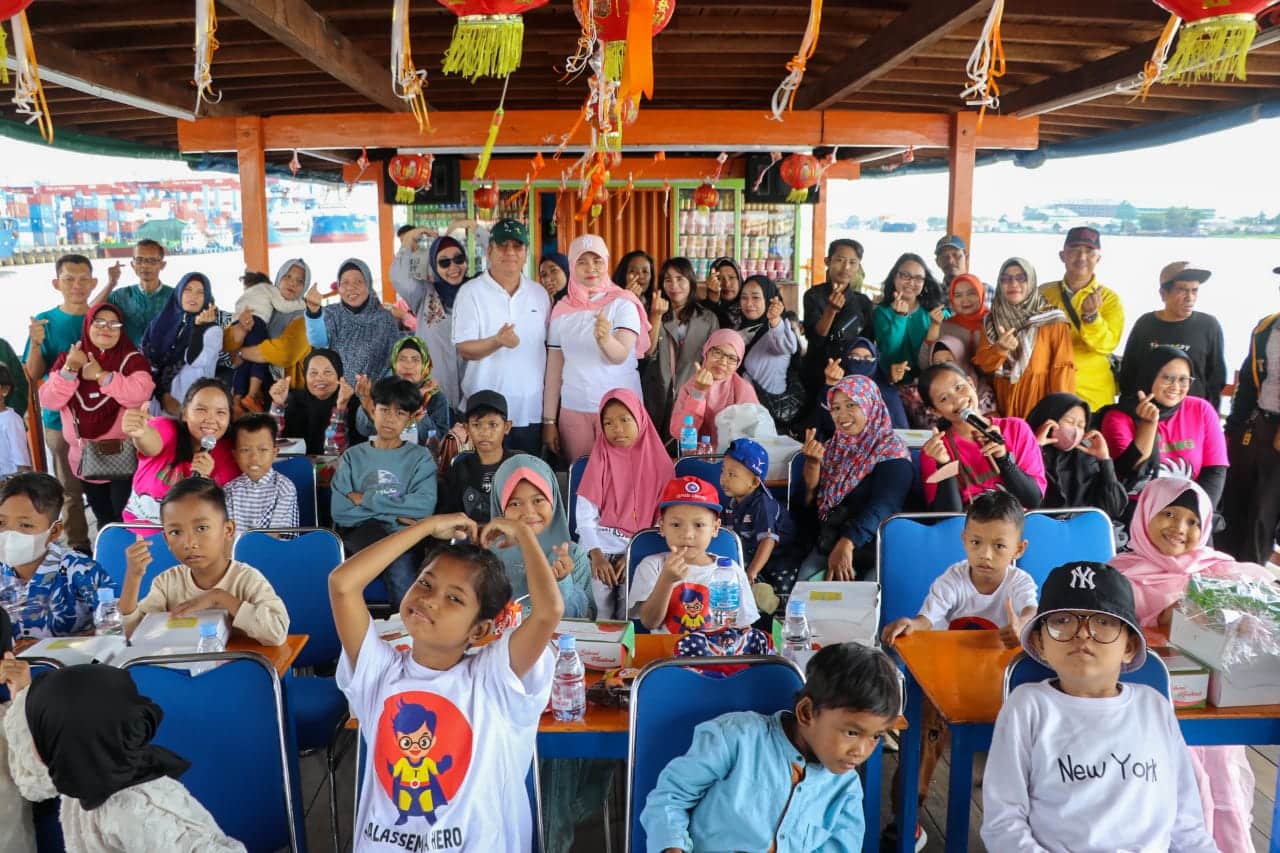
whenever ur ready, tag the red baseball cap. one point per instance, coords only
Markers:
(693, 491)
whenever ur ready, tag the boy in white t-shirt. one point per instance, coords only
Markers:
(450, 730)
(670, 591)
(1082, 762)
(983, 591)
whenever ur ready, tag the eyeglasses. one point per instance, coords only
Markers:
(423, 742)
(1009, 278)
(914, 279)
(1065, 626)
(727, 357)
(147, 262)
(1180, 381)
(103, 325)
(445, 263)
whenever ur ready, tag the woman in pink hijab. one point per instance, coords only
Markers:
(715, 385)
(597, 334)
(1168, 541)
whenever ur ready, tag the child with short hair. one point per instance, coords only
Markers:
(983, 591)
(435, 716)
(386, 483)
(670, 592)
(85, 733)
(1083, 762)
(619, 492)
(199, 533)
(784, 782)
(753, 513)
(261, 497)
(15, 454)
(467, 483)
(60, 585)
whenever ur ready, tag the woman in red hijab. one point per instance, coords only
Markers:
(967, 298)
(92, 385)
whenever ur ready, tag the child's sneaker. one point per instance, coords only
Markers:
(889, 838)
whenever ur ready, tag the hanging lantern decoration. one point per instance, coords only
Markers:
(294, 165)
(800, 172)
(706, 197)
(28, 93)
(986, 65)
(410, 173)
(488, 38)
(206, 44)
(1215, 38)
(407, 80)
(9, 8)
(612, 23)
(784, 96)
(485, 197)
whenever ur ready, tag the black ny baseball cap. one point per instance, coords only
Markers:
(1085, 585)
(486, 400)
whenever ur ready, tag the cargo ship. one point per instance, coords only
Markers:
(339, 228)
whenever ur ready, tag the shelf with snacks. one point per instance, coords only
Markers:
(768, 240)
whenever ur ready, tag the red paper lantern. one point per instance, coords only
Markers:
(488, 38)
(485, 198)
(410, 173)
(611, 28)
(9, 8)
(800, 172)
(705, 197)
(1214, 40)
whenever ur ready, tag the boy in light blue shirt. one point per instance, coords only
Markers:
(784, 782)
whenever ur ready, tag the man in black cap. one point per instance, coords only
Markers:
(1251, 496)
(1179, 325)
(836, 313)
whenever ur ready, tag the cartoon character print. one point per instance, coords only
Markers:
(687, 609)
(424, 750)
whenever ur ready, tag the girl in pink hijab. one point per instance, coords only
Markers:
(715, 385)
(596, 336)
(1168, 541)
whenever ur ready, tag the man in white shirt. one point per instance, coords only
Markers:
(500, 330)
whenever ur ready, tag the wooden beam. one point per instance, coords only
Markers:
(253, 191)
(667, 130)
(922, 24)
(386, 232)
(961, 161)
(119, 82)
(302, 29)
(818, 239)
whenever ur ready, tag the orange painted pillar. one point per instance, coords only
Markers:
(253, 192)
(387, 243)
(818, 258)
(961, 158)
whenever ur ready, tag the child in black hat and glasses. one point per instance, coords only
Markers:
(1081, 762)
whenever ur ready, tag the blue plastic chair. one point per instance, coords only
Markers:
(298, 570)
(229, 722)
(912, 550)
(649, 541)
(1056, 536)
(704, 467)
(1023, 669)
(114, 539)
(795, 483)
(301, 471)
(662, 729)
(576, 470)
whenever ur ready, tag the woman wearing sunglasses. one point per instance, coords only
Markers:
(429, 286)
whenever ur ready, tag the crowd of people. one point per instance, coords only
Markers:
(453, 413)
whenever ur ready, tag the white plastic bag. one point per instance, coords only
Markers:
(743, 420)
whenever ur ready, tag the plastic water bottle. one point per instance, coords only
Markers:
(705, 447)
(797, 639)
(688, 437)
(106, 616)
(335, 435)
(277, 412)
(725, 594)
(209, 641)
(569, 688)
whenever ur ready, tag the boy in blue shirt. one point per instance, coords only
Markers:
(386, 483)
(783, 782)
(752, 512)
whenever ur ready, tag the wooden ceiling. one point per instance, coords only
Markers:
(313, 56)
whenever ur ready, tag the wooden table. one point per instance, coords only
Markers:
(962, 674)
(281, 656)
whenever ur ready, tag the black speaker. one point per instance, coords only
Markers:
(446, 182)
(773, 190)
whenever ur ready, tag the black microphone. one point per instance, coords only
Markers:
(976, 421)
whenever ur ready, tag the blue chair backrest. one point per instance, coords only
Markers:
(302, 472)
(1023, 669)
(795, 482)
(705, 467)
(229, 722)
(662, 729)
(298, 569)
(114, 539)
(576, 470)
(648, 542)
(911, 552)
(1057, 536)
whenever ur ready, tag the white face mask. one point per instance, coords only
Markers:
(18, 549)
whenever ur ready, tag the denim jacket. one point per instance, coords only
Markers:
(732, 791)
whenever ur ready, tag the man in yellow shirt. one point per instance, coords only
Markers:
(1095, 312)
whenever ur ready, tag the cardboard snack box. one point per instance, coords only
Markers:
(601, 645)
(1188, 678)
